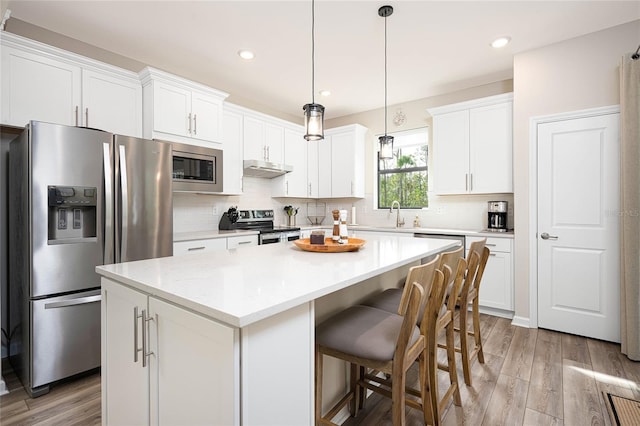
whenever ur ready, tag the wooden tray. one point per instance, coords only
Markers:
(329, 246)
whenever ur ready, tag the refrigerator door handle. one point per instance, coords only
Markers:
(73, 302)
(124, 185)
(107, 228)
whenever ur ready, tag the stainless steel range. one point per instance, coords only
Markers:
(261, 221)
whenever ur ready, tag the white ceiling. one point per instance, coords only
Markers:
(434, 47)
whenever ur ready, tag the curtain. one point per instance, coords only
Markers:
(630, 207)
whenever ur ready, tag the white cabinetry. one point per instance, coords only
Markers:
(295, 183)
(43, 83)
(263, 140)
(242, 241)
(159, 362)
(496, 287)
(199, 246)
(472, 146)
(232, 151)
(341, 162)
(313, 167)
(180, 110)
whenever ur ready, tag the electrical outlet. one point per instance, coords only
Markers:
(214, 210)
(439, 210)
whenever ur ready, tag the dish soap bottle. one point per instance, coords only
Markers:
(416, 222)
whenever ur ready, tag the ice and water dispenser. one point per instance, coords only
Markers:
(72, 213)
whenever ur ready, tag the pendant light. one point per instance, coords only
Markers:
(386, 141)
(313, 112)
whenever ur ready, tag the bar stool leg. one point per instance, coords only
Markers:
(451, 362)
(464, 344)
(318, 396)
(476, 330)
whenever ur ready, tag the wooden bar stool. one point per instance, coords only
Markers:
(370, 338)
(469, 296)
(437, 318)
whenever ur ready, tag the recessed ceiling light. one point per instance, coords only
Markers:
(500, 42)
(246, 54)
(325, 92)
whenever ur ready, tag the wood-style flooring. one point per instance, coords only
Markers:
(530, 377)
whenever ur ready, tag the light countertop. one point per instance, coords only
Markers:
(411, 230)
(241, 286)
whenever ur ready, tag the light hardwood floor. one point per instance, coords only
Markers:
(530, 377)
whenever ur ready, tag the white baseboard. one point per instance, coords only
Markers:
(521, 321)
(495, 312)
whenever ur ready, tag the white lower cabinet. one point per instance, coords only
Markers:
(242, 241)
(496, 288)
(198, 246)
(167, 365)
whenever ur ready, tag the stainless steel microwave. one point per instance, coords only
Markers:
(196, 168)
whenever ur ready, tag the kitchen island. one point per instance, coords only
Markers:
(229, 338)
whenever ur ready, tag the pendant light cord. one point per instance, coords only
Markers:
(385, 76)
(313, 52)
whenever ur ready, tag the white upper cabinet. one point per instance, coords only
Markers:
(263, 140)
(312, 169)
(180, 110)
(295, 183)
(111, 103)
(347, 160)
(43, 83)
(232, 151)
(473, 146)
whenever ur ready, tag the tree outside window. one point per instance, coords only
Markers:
(404, 177)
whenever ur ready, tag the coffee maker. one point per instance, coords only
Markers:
(497, 216)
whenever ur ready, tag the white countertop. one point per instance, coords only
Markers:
(411, 230)
(241, 286)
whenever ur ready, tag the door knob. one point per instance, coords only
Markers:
(546, 236)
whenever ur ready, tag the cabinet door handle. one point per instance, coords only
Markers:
(471, 182)
(195, 124)
(145, 336)
(309, 190)
(195, 248)
(76, 115)
(264, 153)
(189, 119)
(351, 187)
(135, 335)
(466, 181)
(268, 153)
(287, 190)
(86, 117)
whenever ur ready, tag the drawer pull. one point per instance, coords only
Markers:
(490, 245)
(244, 242)
(195, 248)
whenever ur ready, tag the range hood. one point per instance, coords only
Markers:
(265, 169)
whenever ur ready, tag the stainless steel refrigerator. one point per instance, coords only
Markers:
(78, 198)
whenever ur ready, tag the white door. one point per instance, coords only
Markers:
(578, 254)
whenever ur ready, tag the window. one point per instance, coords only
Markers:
(404, 177)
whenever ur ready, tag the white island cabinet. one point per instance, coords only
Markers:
(228, 338)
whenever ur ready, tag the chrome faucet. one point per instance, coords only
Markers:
(397, 204)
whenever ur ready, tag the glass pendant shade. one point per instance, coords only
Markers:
(386, 147)
(313, 122)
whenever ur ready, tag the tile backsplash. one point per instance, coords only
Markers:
(200, 212)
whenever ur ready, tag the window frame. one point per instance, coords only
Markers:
(378, 173)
